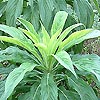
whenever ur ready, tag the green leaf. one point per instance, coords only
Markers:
(11, 40)
(33, 94)
(46, 8)
(83, 89)
(13, 10)
(19, 39)
(2, 87)
(78, 37)
(6, 70)
(26, 96)
(27, 13)
(35, 15)
(60, 5)
(16, 55)
(46, 37)
(28, 26)
(2, 7)
(48, 88)
(89, 63)
(41, 46)
(64, 59)
(83, 7)
(22, 44)
(68, 95)
(68, 30)
(35, 90)
(15, 77)
(43, 50)
(56, 30)
(14, 32)
(97, 5)
(16, 41)
(30, 35)
(58, 23)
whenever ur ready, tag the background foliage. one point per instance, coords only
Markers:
(36, 11)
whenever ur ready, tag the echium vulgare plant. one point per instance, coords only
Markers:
(45, 66)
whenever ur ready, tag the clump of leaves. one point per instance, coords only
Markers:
(46, 70)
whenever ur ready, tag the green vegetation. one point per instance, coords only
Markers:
(40, 55)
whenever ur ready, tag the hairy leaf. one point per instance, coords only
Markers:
(58, 23)
(13, 10)
(28, 26)
(97, 5)
(16, 55)
(7, 69)
(15, 77)
(83, 89)
(56, 30)
(46, 37)
(89, 63)
(48, 88)
(11, 40)
(78, 37)
(67, 94)
(12, 31)
(68, 30)
(2, 7)
(35, 17)
(84, 12)
(2, 87)
(45, 9)
(64, 59)
(30, 35)
(33, 94)
(22, 44)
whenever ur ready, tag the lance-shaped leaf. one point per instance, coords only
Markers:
(89, 63)
(65, 33)
(22, 44)
(19, 39)
(2, 7)
(46, 37)
(78, 37)
(67, 30)
(58, 23)
(64, 59)
(83, 89)
(97, 5)
(14, 32)
(13, 10)
(2, 87)
(30, 35)
(48, 88)
(67, 94)
(83, 7)
(28, 26)
(35, 14)
(16, 55)
(45, 7)
(15, 41)
(56, 29)
(33, 94)
(11, 40)
(15, 77)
